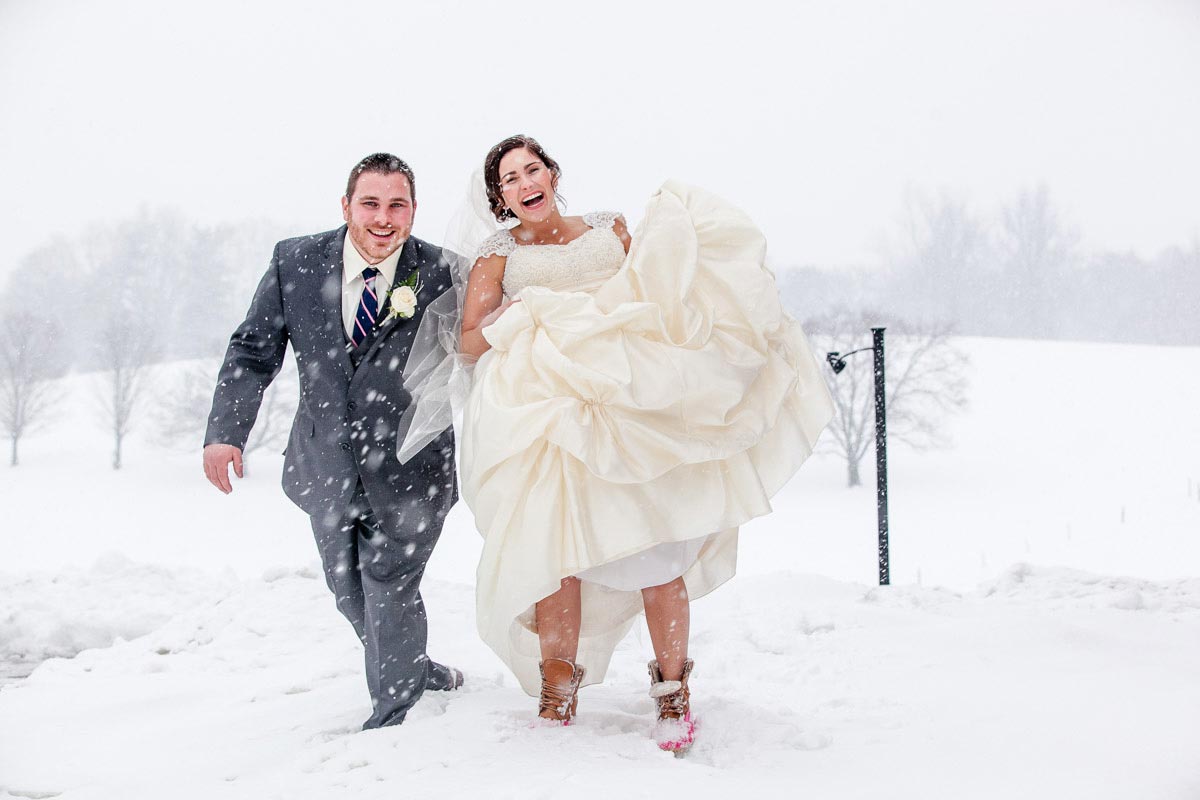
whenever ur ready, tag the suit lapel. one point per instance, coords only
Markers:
(331, 300)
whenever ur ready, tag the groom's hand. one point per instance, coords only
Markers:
(217, 458)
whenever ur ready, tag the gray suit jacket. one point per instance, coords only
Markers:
(350, 399)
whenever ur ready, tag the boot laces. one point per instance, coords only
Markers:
(556, 698)
(674, 705)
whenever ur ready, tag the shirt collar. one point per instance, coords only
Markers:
(353, 263)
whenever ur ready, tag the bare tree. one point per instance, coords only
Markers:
(124, 351)
(274, 421)
(926, 382)
(28, 360)
(1036, 248)
(941, 272)
(181, 414)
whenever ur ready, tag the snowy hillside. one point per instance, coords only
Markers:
(1040, 638)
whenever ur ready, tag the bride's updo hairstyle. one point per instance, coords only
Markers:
(491, 171)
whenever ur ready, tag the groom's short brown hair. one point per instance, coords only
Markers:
(384, 164)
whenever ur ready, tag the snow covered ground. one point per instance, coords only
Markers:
(1041, 637)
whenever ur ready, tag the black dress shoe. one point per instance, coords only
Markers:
(443, 678)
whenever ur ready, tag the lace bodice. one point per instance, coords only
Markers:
(580, 265)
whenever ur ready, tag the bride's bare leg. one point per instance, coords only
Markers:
(558, 621)
(668, 616)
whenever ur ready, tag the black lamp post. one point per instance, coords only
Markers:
(837, 362)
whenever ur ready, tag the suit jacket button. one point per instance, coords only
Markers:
(351, 405)
(346, 446)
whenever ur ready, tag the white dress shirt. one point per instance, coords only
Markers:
(353, 282)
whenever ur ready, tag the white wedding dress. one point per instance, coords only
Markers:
(631, 413)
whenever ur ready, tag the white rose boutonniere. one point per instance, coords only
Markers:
(402, 302)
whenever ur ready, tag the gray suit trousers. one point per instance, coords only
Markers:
(375, 576)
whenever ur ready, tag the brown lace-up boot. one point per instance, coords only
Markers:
(674, 731)
(560, 689)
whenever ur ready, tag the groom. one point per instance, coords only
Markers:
(345, 301)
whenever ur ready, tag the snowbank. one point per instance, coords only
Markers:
(1041, 685)
(60, 614)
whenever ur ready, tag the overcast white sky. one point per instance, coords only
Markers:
(813, 119)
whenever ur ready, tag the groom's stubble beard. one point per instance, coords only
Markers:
(369, 250)
(381, 203)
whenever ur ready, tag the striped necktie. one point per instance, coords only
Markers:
(368, 308)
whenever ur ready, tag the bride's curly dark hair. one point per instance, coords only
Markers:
(491, 171)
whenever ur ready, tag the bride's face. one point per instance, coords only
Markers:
(527, 186)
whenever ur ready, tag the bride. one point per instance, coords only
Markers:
(635, 400)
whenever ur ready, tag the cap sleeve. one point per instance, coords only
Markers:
(500, 243)
(601, 219)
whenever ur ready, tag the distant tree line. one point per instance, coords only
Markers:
(160, 288)
(182, 287)
(1022, 273)
(118, 300)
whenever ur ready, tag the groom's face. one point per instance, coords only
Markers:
(379, 216)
